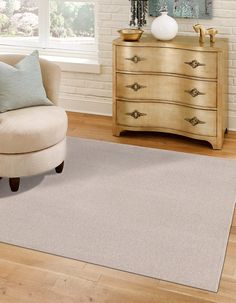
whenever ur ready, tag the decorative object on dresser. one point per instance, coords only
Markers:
(130, 34)
(204, 32)
(139, 10)
(178, 87)
(138, 18)
(164, 27)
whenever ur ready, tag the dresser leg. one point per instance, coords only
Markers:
(216, 145)
(116, 131)
(226, 131)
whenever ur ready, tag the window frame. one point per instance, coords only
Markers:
(85, 47)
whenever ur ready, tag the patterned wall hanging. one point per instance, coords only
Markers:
(197, 9)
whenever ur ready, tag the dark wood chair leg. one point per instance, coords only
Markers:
(14, 184)
(59, 168)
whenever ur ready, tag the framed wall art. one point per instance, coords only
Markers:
(196, 9)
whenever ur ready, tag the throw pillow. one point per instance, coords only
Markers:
(21, 85)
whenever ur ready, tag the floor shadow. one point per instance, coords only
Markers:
(26, 184)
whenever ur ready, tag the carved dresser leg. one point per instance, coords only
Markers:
(216, 144)
(59, 168)
(116, 131)
(14, 184)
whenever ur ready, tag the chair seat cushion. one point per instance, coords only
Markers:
(31, 129)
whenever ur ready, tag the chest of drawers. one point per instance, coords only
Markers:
(178, 87)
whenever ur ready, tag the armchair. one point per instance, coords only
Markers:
(33, 139)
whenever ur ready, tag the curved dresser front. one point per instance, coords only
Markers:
(177, 87)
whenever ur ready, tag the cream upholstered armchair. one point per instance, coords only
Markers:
(33, 139)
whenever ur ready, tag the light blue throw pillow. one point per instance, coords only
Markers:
(21, 85)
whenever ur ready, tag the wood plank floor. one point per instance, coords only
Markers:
(28, 276)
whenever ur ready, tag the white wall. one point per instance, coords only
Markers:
(92, 92)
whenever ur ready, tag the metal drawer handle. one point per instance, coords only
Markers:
(194, 63)
(194, 121)
(194, 92)
(136, 114)
(135, 86)
(135, 59)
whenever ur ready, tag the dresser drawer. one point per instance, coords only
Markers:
(163, 87)
(167, 60)
(169, 116)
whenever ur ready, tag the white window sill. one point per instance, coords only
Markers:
(79, 65)
(68, 63)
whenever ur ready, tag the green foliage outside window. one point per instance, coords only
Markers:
(68, 19)
(71, 19)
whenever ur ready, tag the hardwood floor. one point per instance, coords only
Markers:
(28, 276)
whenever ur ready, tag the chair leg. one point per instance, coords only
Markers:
(14, 184)
(59, 168)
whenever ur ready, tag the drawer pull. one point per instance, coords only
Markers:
(194, 121)
(135, 86)
(194, 64)
(136, 114)
(135, 59)
(194, 92)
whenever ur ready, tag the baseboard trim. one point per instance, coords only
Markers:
(232, 121)
(87, 104)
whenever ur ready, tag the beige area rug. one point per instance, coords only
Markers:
(152, 212)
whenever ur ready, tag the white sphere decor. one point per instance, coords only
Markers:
(164, 27)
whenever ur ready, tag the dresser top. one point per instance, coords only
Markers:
(184, 42)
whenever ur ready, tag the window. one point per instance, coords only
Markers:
(48, 24)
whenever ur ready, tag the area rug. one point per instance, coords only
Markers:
(152, 212)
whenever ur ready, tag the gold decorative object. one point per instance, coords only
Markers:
(194, 121)
(135, 86)
(212, 32)
(130, 34)
(204, 32)
(194, 63)
(200, 29)
(194, 92)
(136, 114)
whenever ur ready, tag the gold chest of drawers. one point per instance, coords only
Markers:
(177, 86)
